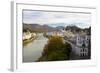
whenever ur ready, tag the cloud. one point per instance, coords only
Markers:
(43, 17)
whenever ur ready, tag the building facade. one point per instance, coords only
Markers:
(81, 42)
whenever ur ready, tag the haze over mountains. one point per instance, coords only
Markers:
(50, 27)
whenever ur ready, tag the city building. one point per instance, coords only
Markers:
(81, 42)
(27, 35)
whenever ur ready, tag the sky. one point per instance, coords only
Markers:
(55, 19)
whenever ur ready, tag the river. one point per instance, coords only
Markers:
(33, 50)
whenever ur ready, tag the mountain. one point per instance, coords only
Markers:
(60, 27)
(57, 24)
(87, 30)
(38, 28)
(72, 27)
(76, 29)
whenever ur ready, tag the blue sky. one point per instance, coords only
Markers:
(55, 19)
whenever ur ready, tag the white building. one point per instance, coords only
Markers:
(28, 35)
(55, 33)
(81, 42)
(82, 39)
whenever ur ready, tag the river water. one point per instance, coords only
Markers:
(33, 50)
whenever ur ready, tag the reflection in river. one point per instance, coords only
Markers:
(33, 50)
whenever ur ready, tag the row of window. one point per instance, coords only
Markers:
(83, 39)
(83, 54)
(83, 50)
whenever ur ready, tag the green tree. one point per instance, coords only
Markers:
(56, 50)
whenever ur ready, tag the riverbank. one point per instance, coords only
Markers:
(33, 51)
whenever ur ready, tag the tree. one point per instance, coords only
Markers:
(56, 50)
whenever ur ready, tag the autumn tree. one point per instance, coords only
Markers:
(56, 49)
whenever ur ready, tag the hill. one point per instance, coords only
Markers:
(38, 28)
